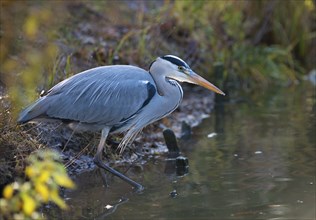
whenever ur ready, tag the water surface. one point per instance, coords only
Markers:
(257, 163)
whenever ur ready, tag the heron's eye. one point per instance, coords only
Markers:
(181, 68)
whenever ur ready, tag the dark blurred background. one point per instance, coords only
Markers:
(257, 43)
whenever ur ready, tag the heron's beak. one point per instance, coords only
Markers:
(198, 80)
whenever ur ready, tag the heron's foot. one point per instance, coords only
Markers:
(98, 161)
(139, 188)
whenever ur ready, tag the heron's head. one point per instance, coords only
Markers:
(175, 68)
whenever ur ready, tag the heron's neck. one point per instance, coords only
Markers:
(166, 101)
(167, 87)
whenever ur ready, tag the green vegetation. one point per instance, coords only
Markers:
(46, 175)
(257, 42)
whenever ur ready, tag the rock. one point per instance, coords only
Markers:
(171, 142)
(182, 166)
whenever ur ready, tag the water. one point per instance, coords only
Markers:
(252, 159)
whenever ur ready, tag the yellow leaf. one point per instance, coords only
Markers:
(50, 165)
(56, 199)
(64, 180)
(29, 205)
(31, 26)
(8, 191)
(44, 177)
(30, 171)
(43, 191)
(309, 4)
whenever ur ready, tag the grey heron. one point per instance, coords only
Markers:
(115, 99)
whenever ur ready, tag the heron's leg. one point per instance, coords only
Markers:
(98, 161)
(104, 135)
(98, 156)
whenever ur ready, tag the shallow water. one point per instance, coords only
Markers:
(257, 163)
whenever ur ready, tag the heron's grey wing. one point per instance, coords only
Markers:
(104, 95)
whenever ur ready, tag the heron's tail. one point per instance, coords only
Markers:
(33, 111)
(128, 138)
